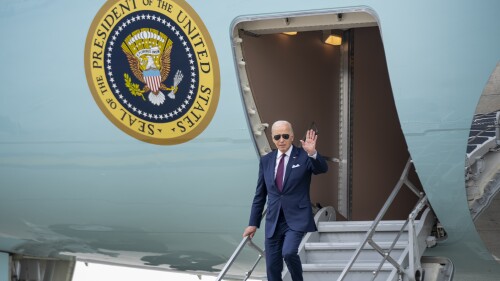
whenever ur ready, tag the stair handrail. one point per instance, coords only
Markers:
(403, 180)
(246, 240)
(414, 263)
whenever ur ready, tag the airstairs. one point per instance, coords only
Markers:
(378, 250)
(326, 254)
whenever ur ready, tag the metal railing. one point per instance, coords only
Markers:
(414, 270)
(246, 240)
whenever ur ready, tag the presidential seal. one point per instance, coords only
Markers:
(152, 69)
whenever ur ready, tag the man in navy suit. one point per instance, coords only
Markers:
(289, 214)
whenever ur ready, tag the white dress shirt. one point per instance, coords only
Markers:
(278, 158)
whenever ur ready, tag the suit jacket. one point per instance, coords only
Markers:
(294, 199)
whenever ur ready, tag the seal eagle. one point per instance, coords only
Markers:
(146, 71)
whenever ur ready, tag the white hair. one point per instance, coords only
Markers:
(281, 123)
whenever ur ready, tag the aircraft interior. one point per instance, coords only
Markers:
(343, 91)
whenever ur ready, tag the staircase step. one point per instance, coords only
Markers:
(378, 237)
(351, 276)
(355, 231)
(338, 267)
(343, 252)
(359, 271)
(333, 254)
(359, 226)
(351, 245)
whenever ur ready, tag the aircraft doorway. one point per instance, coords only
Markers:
(345, 90)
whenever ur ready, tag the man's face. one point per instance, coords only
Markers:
(282, 144)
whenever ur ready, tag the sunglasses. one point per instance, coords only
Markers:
(278, 137)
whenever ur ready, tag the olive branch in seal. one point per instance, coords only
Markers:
(133, 88)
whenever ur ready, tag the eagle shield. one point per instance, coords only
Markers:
(148, 53)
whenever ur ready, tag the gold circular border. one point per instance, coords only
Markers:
(191, 134)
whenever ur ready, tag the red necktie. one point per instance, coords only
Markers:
(279, 172)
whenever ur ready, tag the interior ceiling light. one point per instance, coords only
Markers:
(332, 37)
(290, 33)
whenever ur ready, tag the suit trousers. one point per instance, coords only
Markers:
(283, 245)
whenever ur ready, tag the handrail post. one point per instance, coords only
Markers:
(249, 273)
(414, 264)
(412, 250)
(235, 254)
(238, 250)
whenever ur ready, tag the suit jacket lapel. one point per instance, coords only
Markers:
(272, 165)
